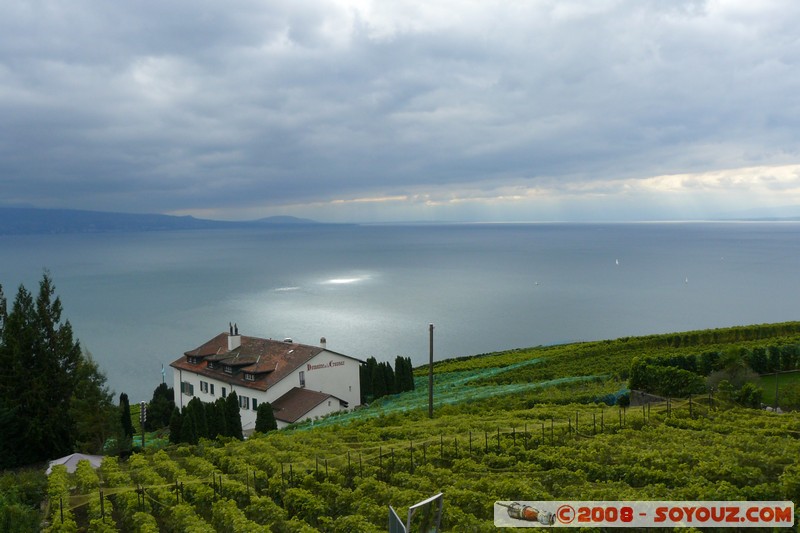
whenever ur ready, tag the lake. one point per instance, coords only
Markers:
(140, 300)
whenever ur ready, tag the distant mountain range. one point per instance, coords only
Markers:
(29, 221)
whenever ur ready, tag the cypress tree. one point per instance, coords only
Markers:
(175, 421)
(159, 410)
(125, 416)
(220, 408)
(409, 375)
(400, 373)
(233, 419)
(403, 374)
(365, 383)
(195, 410)
(367, 376)
(388, 376)
(188, 429)
(265, 418)
(379, 388)
(213, 420)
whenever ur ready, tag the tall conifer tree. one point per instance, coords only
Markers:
(367, 379)
(388, 376)
(220, 407)
(39, 359)
(125, 416)
(196, 410)
(175, 421)
(188, 429)
(265, 418)
(233, 419)
(8, 420)
(214, 420)
(159, 410)
(43, 392)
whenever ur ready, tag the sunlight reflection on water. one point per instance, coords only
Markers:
(347, 280)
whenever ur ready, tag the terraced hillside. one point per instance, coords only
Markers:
(535, 424)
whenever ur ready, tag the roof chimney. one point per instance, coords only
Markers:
(323, 342)
(234, 339)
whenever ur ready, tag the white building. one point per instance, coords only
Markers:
(300, 381)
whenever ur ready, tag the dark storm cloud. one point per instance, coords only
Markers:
(218, 107)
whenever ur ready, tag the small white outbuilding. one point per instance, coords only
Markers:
(71, 462)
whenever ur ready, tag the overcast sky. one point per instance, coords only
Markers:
(355, 110)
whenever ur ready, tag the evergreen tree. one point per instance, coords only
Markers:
(388, 373)
(379, 388)
(125, 416)
(220, 408)
(365, 382)
(399, 374)
(188, 429)
(55, 357)
(3, 311)
(9, 443)
(9, 426)
(175, 421)
(92, 408)
(403, 374)
(367, 379)
(233, 419)
(14, 349)
(159, 410)
(265, 418)
(46, 386)
(409, 375)
(196, 410)
(214, 419)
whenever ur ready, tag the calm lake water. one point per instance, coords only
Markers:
(139, 300)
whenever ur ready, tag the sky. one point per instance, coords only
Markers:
(364, 111)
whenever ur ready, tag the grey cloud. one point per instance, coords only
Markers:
(179, 105)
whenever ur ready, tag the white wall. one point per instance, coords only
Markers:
(182, 399)
(326, 372)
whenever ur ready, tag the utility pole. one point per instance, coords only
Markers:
(430, 375)
(142, 418)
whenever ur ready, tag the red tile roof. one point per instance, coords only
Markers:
(293, 405)
(269, 361)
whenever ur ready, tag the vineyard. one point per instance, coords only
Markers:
(531, 424)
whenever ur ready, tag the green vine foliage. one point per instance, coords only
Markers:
(497, 434)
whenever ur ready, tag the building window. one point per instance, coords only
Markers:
(255, 404)
(187, 388)
(244, 402)
(212, 364)
(194, 360)
(302, 378)
(249, 377)
(212, 389)
(228, 369)
(224, 393)
(204, 387)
